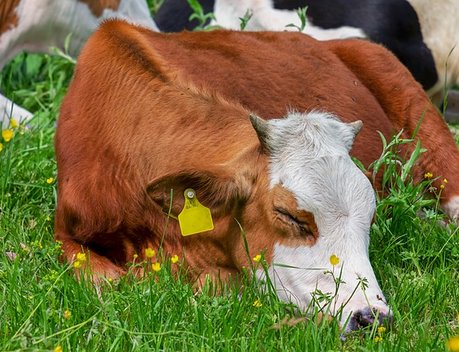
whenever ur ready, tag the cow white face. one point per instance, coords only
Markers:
(329, 212)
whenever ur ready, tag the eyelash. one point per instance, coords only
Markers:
(302, 226)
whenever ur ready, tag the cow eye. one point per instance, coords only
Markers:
(290, 219)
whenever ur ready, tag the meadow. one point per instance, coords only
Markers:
(44, 308)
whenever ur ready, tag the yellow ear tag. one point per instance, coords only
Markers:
(195, 217)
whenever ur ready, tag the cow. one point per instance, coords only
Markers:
(421, 33)
(258, 127)
(38, 25)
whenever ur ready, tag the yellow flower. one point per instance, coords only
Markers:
(377, 339)
(257, 258)
(81, 257)
(135, 256)
(110, 280)
(58, 349)
(174, 259)
(50, 180)
(156, 266)
(428, 175)
(1, 147)
(334, 260)
(453, 344)
(257, 304)
(77, 264)
(7, 135)
(445, 180)
(381, 330)
(149, 253)
(67, 314)
(442, 186)
(14, 123)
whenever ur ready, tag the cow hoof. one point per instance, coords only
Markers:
(367, 317)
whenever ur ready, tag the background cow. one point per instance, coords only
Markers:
(171, 112)
(38, 25)
(423, 34)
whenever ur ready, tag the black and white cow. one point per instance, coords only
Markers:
(421, 33)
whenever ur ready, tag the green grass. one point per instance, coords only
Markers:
(415, 260)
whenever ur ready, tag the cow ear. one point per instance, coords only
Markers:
(213, 189)
(262, 129)
(356, 126)
(353, 128)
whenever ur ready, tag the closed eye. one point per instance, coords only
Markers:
(285, 216)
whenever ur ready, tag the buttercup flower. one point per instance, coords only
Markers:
(135, 256)
(149, 253)
(428, 175)
(257, 258)
(7, 135)
(453, 344)
(257, 304)
(174, 259)
(58, 349)
(14, 123)
(445, 180)
(77, 264)
(377, 339)
(1, 147)
(381, 330)
(67, 314)
(50, 180)
(334, 260)
(81, 257)
(156, 266)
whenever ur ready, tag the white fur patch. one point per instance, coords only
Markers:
(452, 208)
(266, 17)
(43, 24)
(310, 158)
(9, 110)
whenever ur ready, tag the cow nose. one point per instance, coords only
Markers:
(367, 316)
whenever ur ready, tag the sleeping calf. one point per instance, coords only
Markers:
(256, 126)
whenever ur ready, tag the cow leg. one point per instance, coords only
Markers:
(96, 265)
(405, 103)
(9, 110)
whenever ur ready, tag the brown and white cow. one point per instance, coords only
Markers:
(38, 25)
(148, 113)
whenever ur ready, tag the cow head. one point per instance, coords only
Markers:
(299, 200)
(320, 204)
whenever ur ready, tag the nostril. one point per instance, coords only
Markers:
(367, 317)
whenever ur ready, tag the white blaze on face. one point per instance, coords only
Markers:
(309, 156)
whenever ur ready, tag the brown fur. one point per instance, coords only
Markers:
(97, 7)
(148, 112)
(8, 17)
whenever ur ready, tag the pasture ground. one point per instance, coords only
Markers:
(43, 307)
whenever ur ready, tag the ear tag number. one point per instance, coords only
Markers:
(194, 217)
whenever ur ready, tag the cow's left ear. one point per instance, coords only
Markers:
(355, 128)
(215, 190)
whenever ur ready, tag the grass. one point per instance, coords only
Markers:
(44, 308)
